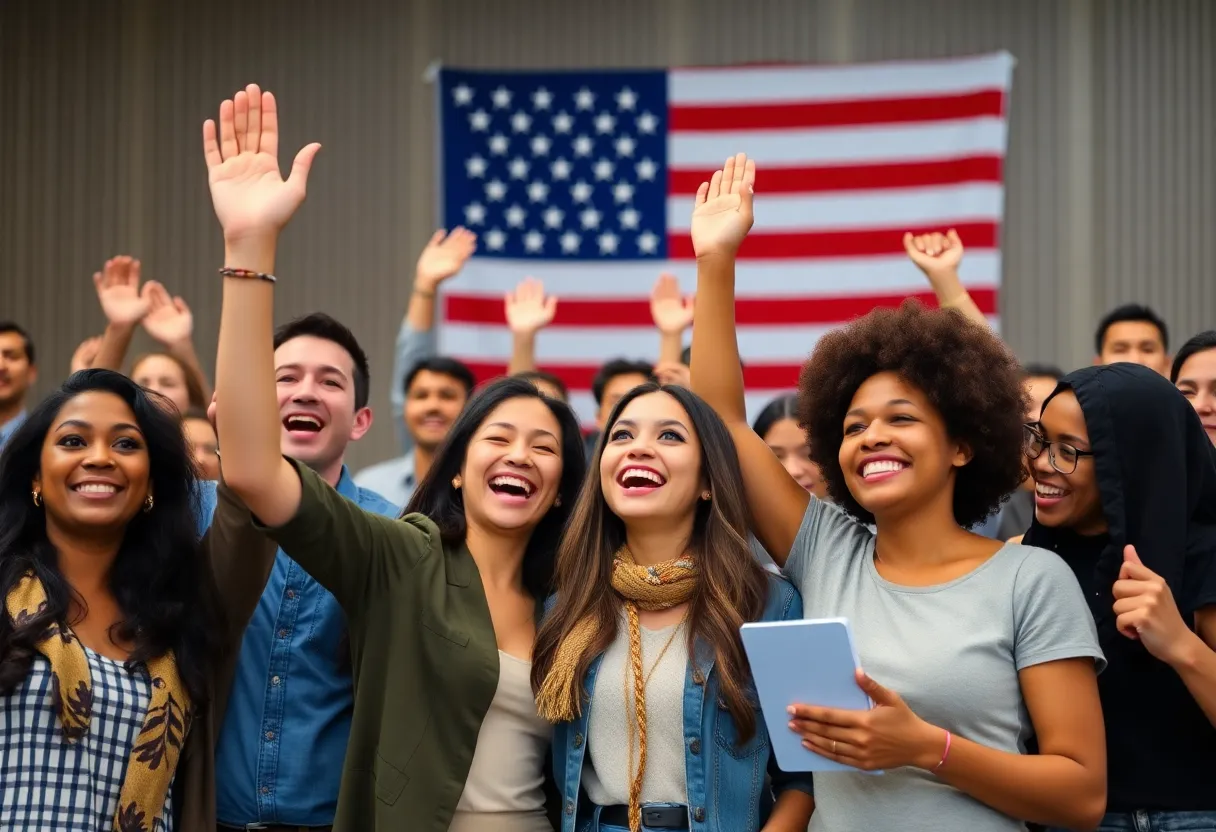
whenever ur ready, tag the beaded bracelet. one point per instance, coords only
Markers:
(247, 275)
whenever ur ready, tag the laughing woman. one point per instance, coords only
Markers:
(916, 426)
(441, 603)
(654, 579)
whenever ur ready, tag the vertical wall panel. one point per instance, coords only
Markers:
(103, 104)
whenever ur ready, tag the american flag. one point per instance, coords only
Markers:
(586, 180)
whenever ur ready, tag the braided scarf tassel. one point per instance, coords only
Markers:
(639, 709)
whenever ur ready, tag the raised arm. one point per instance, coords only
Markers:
(721, 220)
(672, 314)
(253, 204)
(528, 311)
(171, 323)
(938, 256)
(124, 303)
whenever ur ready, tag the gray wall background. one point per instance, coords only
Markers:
(1111, 170)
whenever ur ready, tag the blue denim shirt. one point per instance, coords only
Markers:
(726, 785)
(283, 740)
(10, 427)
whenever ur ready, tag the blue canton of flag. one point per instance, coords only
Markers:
(557, 165)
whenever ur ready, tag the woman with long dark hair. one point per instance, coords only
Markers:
(112, 642)
(441, 603)
(778, 426)
(653, 582)
(1125, 494)
(1194, 374)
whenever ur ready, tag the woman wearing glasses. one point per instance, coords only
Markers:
(1125, 493)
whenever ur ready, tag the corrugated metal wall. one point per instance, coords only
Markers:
(1111, 171)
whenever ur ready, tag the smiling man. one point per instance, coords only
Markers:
(17, 374)
(292, 696)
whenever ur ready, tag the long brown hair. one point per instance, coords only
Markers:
(194, 386)
(731, 585)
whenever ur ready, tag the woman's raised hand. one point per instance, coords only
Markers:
(250, 196)
(723, 213)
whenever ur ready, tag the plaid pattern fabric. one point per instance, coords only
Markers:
(49, 785)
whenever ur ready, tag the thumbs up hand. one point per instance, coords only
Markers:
(889, 735)
(1145, 610)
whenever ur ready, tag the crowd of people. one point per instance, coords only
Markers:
(211, 623)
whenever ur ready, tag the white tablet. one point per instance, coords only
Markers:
(807, 662)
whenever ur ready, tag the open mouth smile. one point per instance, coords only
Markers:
(638, 480)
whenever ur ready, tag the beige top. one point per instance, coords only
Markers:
(504, 787)
(607, 771)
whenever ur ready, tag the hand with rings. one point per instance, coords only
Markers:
(889, 735)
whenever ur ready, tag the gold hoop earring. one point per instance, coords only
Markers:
(148, 503)
(37, 495)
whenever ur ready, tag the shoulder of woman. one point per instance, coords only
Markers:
(783, 597)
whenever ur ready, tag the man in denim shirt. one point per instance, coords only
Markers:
(283, 740)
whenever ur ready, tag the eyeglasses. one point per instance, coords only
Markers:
(1062, 456)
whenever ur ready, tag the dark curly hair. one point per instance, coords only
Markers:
(965, 371)
(159, 578)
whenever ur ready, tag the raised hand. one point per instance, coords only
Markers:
(168, 320)
(723, 213)
(672, 314)
(86, 353)
(251, 198)
(935, 254)
(528, 310)
(1145, 610)
(119, 293)
(889, 735)
(673, 372)
(445, 255)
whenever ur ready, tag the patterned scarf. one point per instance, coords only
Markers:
(167, 721)
(659, 587)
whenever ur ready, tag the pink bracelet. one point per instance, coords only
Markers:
(945, 753)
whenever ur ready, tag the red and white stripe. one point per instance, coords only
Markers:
(848, 158)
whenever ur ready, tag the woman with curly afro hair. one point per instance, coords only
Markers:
(978, 645)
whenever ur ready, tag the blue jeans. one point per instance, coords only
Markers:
(1158, 822)
(593, 824)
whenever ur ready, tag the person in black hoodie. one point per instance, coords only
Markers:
(1126, 494)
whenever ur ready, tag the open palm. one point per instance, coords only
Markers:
(247, 189)
(671, 312)
(119, 292)
(527, 308)
(723, 213)
(169, 320)
(444, 256)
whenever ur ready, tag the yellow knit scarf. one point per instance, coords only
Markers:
(659, 587)
(158, 748)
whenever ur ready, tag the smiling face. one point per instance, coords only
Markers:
(163, 375)
(432, 404)
(788, 442)
(316, 391)
(513, 467)
(94, 468)
(16, 372)
(1070, 500)
(1197, 381)
(651, 465)
(896, 455)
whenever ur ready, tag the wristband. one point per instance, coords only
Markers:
(945, 753)
(245, 274)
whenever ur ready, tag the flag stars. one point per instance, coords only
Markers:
(648, 242)
(521, 122)
(590, 218)
(560, 169)
(629, 219)
(538, 191)
(570, 243)
(553, 217)
(608, 242)
(542, 99)
(515, 216)
(626, 99)
(605, 123)
(501, 98)
(534, 241)
(648, 123)
(584, 99)
(583, 146)
(479, 121)
(622, 192)
(647, 170)
(604, 169)
(541, 144)
(563, 122)
(496, 190)
(581, 192)
(625, 145)
(499, 144)
(496, 239)
(518, 168)
(475, 167)
(462, 95)
(474, 213)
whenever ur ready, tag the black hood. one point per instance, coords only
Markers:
(1155, 466)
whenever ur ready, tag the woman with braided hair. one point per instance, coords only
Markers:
(639, 662)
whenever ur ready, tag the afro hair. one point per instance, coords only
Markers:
(966, 372)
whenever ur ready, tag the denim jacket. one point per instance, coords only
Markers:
(726, 781)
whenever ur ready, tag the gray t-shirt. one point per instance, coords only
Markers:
(952, 651)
